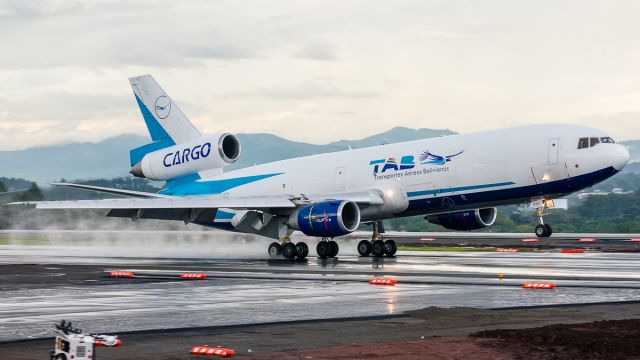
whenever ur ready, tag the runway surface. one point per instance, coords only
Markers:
(62, 275)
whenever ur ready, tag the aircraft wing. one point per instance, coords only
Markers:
(144, 200)
(122, 192)
(197, 208)
(172, 202)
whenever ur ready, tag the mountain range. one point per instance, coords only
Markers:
(110, 158)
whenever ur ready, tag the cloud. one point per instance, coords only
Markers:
(471, 66)
(62, 105)
(219, 52)
(317, 50)
(313, 89)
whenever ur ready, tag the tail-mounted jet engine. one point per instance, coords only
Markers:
(190, 157)
(465, 220)
(327, 218)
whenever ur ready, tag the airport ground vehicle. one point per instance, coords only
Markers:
(73, 344)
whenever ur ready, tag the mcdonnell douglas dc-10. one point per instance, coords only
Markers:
(455, 181)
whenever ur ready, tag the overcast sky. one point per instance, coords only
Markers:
(318, 71)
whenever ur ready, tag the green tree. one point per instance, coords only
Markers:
(33, 194)
(2, 187)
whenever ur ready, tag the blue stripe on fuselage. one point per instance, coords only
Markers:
(454, 189)
(224, 215)
(455, 202)
(214, 186)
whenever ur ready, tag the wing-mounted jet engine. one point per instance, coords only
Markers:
(205, 153)
(326, 219)
(465, 220)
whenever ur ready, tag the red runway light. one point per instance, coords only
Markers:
(125, 274)
(538, 285)
(382, 281)
(216, 351)
(195, 276)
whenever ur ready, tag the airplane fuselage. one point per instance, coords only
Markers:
(435, 175)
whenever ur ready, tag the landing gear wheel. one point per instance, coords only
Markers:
(275, 249)
(364, 248)
(390, 247)
(543, 230)
(289, 250)
(377, 248)
(323, 249)
(334, 248)
(302, 250)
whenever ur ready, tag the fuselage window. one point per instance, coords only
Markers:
(594, 141)
(583, 143)
(607, 140)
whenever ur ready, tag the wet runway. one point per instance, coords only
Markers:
(244, 286)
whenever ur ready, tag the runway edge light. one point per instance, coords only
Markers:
(538, 285)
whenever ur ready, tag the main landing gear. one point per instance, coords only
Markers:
(288, 249)
(378, 247)
(327, 248)
(542, 230)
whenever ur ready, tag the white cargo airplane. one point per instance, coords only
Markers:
(456, 181)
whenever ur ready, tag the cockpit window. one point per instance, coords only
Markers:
(607, 140)
(594, 141)
(583, 143)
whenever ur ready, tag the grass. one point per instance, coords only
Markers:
(4, 240)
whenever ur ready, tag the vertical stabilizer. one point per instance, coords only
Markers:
(166, 123)
(163, 117)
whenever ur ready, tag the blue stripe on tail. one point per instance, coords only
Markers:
(158, 134)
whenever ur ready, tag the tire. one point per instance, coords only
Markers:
(334, 248)
(302, 250)
(289, 250)
(549, 230)
(323, 249)
(541, 231)
(390, 247)
(377, 248)
(364, 248)
(274, 249)
(61, 357)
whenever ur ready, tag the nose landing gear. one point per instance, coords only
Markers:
(542, 230)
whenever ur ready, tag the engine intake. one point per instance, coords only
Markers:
(327, 218)
(465, 220)
(201, 154)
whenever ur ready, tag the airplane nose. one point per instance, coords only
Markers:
(619, 157)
